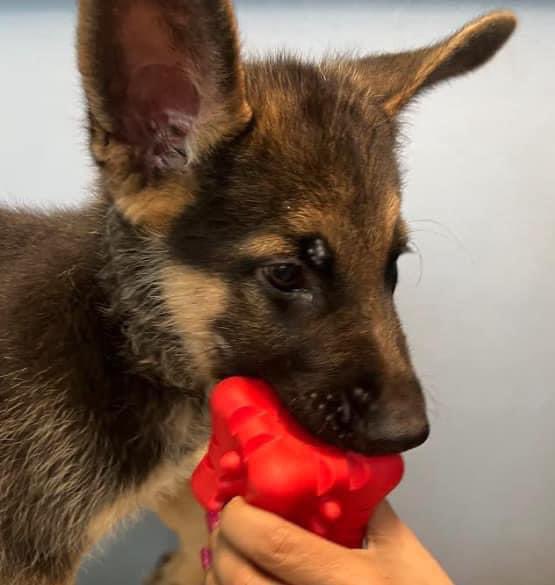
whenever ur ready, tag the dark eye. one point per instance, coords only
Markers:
(392, 273)
(285, 277)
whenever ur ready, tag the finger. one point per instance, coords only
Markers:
(230, 568)
(210, 579)
(384, 525)
(284, 550)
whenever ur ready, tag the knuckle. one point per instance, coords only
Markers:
(278, 546)
(232, 571)
(227, 514)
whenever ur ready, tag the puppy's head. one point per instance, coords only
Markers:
(273, 193)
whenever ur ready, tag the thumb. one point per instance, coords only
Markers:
(384, 524)
(288, 552)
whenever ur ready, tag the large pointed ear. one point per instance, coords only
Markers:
(163, 81)
(397, 78)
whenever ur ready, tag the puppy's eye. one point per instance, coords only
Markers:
(392, 273)
(285, 277)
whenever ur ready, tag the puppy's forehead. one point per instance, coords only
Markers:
(316, 114)
(363, 216)
(318, 160)
(344, 236)
(332, 149)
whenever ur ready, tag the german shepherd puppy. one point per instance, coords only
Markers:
(246, 221)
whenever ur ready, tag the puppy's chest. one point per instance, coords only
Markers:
(168, 478)
(162, 490)
(186, 433)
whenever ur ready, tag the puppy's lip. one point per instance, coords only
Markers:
(338, 410)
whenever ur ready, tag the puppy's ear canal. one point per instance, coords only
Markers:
(397, 78)
(163, 79)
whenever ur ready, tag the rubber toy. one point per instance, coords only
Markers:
(259, 452)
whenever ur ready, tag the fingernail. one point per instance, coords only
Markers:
(212, 519)
(206, 558)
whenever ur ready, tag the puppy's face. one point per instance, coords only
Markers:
(275, 192)
(297, 222)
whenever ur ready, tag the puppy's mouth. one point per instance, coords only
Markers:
(360, 418)
(355, 420)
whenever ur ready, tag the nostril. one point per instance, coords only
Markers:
(355, 403)
(360, 395)
(345, 412)
(365, 392)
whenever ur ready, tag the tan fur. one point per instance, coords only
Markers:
(218, 119)
(115, 324)
(267, 245)
(178, 569)
(310, 219)
(184, 516)
(154, 209)
(161, 489)
(181, 286)
(443, 52)
(392, 213)
(275, 108)
(403, 232)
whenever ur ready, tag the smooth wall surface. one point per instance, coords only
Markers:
(477, 305)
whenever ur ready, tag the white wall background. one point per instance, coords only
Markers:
(479, 311)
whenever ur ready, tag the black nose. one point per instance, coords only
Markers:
(381, 419)
(356, 403)
(398, 442)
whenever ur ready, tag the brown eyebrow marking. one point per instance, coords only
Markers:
(396, 231)
(401, 238)
(264, 245)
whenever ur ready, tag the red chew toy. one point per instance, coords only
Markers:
(257, 451)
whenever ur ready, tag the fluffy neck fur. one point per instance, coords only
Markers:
(129, 278)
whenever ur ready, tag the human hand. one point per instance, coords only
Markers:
(253, 547)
